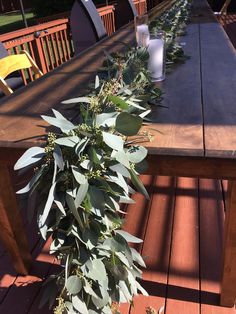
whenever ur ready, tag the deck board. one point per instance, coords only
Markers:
(184, 282)
(211, 214)
(156, 247)
(183, 294)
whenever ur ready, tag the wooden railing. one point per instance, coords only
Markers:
(141, 6)
(108, 17)
(106, 13)
(49, 44)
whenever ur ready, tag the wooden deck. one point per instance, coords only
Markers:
(182, 228)
(229, 23)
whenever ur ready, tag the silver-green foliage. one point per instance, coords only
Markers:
(173, 22)
(82, 181)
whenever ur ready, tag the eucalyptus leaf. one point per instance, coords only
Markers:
(106, 119)
(129, 237)
(138, 184)
(73, 285)
(79, 305)
(31, 183)
(96, 270)
(30, 157)
(71, 204)
(78, 175)
(119, 102)
(69, 141)
(61, 123)
(57, 154)
(128, 124)
(81, 193)
(113, 141)
(97, 198)
(136, 154)
(123, 158)
(97, 82)
(77, 100)
(119, 168)
(137, 257)
(48, 205)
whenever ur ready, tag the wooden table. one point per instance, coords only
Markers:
(196, 134)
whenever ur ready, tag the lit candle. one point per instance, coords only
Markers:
(140, 31)
(156, 59)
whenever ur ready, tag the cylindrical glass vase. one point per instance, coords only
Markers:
(141, 29)
(157, 56)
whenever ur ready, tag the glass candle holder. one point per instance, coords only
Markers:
(157, 56)
(141, 28)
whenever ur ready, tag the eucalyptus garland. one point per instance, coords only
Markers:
(86, 174)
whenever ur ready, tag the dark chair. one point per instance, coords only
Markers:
(122, 18)
(86, 25)
(14, 80)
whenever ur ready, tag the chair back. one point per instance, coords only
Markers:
(13, 63)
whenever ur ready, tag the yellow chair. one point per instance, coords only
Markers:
(14, 63)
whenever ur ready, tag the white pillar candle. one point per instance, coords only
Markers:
(156, 58)
(140, 31)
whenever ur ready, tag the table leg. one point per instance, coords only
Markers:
(228, 288)
(12, 233)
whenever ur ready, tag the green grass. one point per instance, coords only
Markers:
(13, 20)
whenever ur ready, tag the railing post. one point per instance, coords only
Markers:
(39, 55)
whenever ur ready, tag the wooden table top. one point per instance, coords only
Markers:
(200, 95)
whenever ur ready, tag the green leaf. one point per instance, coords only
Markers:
(96, 270)
(122, 258)
(145, 113)
(81, 146)
(60, 122)
(82, 191)
(77, 100)
(96, 197)
(88, 289)
(48, 205)
(128, 124)
(71, 204)
(73, 285)
(119, 102)
(58, 158)
(118, 168)
(31, 183)
(69, 141)
(97, 83)
(129, 237)
(106, 119)
(120, 272)
(30, 157)
(113, 141)
(125, 290)
(137, 257)
(93, 155)
(136, 154)
(141, 289)
(138, 184)
(122, 157)
(78, 175)
(79, 305)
